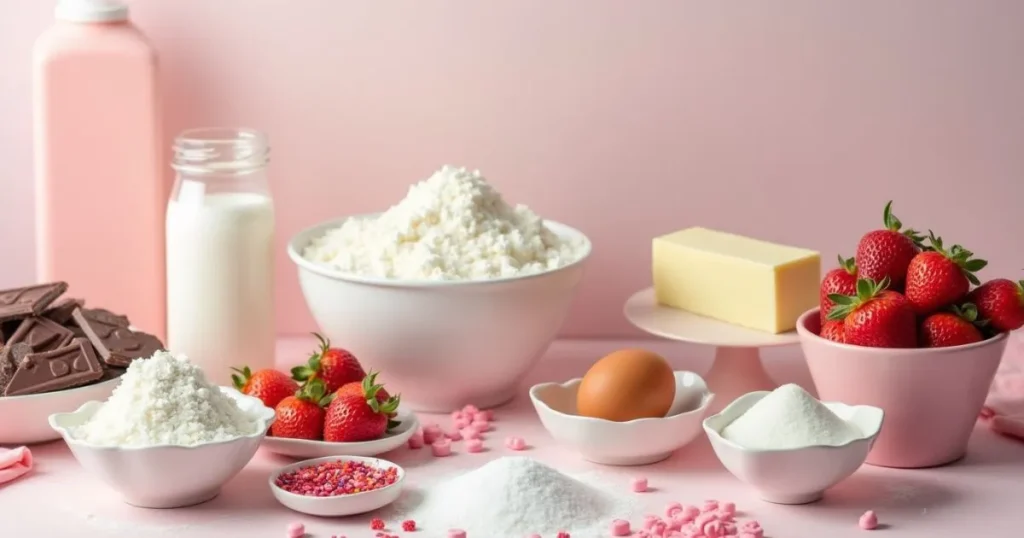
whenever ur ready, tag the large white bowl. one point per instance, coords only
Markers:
(166, 476)
(23, 419)
(339, 505)
(305, 448)
(445, 344)
(798, 475)
(636, 442)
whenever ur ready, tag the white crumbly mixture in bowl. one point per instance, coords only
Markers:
(451, 226)
(165, 400)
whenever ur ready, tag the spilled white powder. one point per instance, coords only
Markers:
(513, 497)
(165, 399)
(451, 226)
(789, 417)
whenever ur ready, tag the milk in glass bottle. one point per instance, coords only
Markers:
(220, 253)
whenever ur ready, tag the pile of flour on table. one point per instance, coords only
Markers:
(452, 226)
(513, 497)
(789, 417)
(165, 400)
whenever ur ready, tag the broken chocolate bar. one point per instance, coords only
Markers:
(70, 366)
(114, 341)
(60, 312)
(10, 356)
(41, 334)
(30, 300)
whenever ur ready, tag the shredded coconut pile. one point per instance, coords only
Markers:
(513, 497)
(165, 400)
(787, 418)
(452, 226)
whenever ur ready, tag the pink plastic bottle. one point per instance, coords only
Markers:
(99, 190)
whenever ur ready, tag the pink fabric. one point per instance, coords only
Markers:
(1004, 408)
(14, 462)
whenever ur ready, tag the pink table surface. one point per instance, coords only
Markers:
(979, 496)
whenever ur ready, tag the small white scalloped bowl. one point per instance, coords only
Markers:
(339, 505)
(635, 442)
(166, 476)
(796, 475)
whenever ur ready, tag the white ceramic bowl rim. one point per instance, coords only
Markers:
(294, 252)
(705, 399)
(316, 461)
(263, 414)
(718, 436)
(57, 392)
(804, 331)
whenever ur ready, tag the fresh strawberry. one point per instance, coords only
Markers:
(270, 386)
(359, 417)
(334, 366)
(834, 331)
(956, 328)
(1001, 302)
(938, 278)
(362, 388)
(887, 253)
(302, 416)
(841, 280)
(875, 316)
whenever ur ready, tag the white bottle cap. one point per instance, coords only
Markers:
(91, 10)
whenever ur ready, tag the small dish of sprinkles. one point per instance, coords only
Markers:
(337, 485)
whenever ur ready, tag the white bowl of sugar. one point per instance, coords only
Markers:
(788, 445)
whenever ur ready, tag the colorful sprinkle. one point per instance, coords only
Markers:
(620, 527)
(639, 484)
(474, 445)
(441, 448)
(408, 525)
(515, 443)
(377, 524)
(333, 478)
(296, 530)
(868, 521)
(456, 533)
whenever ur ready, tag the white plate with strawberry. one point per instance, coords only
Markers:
(328, 407)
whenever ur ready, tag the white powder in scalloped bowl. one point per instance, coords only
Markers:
(513, 497)
(165, 400)
(789, 417)
(452, 226)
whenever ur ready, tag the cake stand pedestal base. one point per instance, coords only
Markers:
(735, 372)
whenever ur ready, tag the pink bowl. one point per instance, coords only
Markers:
(931, 397)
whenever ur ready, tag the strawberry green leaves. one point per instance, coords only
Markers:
(848, 264)
(315, 391)
(867, 290)
(241, 377)
(892, 223)
(960, 256)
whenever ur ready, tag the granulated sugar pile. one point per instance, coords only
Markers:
(513, 497)
(452, 226)
(789, 417)
(165, 400)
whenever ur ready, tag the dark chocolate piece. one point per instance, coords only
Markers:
(10, 356)
(70, 366)
(114, 341)
(41, 334)
(60, 312)
(30, 300)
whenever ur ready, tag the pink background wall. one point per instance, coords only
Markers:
(791, 121)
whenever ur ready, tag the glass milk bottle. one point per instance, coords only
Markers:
(220, 252)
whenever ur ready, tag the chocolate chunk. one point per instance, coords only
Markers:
(70, 366)
(10, 356)
(60, 312)
(114, 341)
(30, 300)
(41, 334)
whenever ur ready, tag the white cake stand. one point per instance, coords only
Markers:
(737, 369)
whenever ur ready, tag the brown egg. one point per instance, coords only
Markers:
(626, 385)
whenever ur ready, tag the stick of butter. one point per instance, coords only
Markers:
(735, 279)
